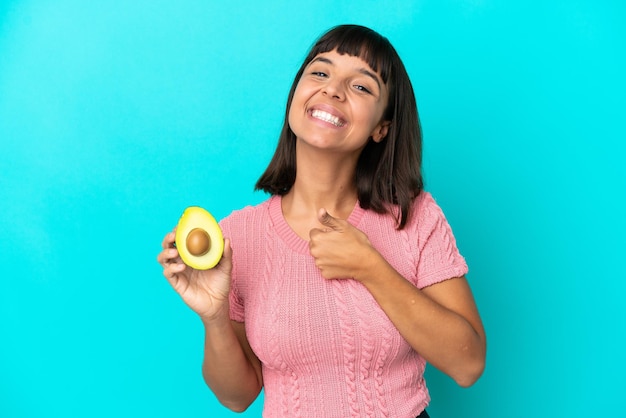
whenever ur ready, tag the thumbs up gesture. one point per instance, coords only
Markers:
(340, 250)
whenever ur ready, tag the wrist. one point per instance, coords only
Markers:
(213, 319)
(372, 268)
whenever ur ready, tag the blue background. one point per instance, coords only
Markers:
(116, 115)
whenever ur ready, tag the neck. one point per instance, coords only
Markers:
(323, 180)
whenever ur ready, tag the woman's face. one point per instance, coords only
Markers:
(338, 104)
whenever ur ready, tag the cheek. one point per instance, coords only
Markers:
(291, 119)
(294, 120)
(378, 114)
(369, 116)
(296, 109)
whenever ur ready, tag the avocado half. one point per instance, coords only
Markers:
(199, 239)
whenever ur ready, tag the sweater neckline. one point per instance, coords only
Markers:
(289, 236)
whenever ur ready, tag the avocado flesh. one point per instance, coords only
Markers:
(194, 218)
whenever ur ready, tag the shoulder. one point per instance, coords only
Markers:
(424, 203)
(428, 223)
(249, 209)
(244, 220)
(425, 211)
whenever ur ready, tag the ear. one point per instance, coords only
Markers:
(380, 131)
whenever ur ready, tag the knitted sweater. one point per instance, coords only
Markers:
(326, 347)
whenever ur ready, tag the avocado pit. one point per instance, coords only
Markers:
(198, 242)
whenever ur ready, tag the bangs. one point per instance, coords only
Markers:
(360, 42)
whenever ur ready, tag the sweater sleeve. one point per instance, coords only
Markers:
(438, 258)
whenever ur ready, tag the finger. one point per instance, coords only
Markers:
(168, 255)
(177, 267)
(327, 220)
(172, 271)
(168, 240)
(313, 233)
(227, 256)
(228, 251)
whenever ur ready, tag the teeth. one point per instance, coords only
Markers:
(326, 117)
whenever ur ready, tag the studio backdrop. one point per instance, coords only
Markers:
(117, 115)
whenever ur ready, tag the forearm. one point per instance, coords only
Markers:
(453, 341)
(226, 368)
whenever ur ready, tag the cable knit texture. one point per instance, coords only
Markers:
(327, 348)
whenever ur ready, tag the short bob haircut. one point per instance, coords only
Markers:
(388, 173)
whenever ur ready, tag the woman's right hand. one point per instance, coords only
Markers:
(204, 291)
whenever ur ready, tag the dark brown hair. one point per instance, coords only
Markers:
(388, 173)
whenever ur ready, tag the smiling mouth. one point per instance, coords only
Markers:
(327, 117)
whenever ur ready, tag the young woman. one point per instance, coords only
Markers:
(333, 294)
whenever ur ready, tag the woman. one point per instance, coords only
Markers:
(333, 294)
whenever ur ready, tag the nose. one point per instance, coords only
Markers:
(334, 89)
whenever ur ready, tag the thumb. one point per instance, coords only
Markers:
(226, 261)
(327, 220)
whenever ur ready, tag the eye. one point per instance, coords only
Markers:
(319, 74)
(362, 88)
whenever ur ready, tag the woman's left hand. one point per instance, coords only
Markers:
(340, 250)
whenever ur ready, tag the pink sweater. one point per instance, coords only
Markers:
(327, 348)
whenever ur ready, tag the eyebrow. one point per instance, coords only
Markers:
(360, 70)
